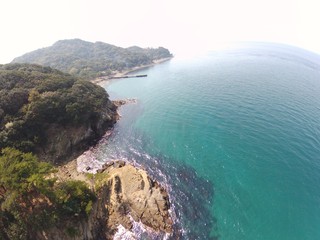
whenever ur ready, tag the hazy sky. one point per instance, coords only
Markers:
(180, 25)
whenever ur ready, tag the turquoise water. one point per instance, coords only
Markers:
(235, 135)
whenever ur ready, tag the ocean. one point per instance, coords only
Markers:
(235, 137)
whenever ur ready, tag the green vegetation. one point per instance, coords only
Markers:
(33, 98)
(90, 60)
(45, 114)
(100, 179)
(31, 201)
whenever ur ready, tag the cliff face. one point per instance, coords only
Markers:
(93, 228)
(64, 143)
(125, 194)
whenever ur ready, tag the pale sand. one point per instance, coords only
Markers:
(117, 74)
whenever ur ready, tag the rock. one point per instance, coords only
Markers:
(119, 164)
(106, 165)
(121, 102)
(134, 193)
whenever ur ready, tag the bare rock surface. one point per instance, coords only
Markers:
(121, 102)
(128, 194)
(134, 194)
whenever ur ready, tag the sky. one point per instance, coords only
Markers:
(180, 25)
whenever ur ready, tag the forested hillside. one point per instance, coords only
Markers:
(50, 113)
(90, 60)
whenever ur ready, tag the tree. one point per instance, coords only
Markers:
(22, 172)
(23, 182)
(31, 201)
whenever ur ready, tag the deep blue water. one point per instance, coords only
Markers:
(235, 135)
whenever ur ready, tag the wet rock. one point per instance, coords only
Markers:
(119, 164)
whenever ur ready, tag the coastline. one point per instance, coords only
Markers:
(117, 74)
(134, 203)
(129, 201)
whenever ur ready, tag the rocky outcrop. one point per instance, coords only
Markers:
(121, 102)
(134, 195)
(127, 194)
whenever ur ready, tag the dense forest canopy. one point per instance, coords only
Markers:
(33, 97)
(90, 60)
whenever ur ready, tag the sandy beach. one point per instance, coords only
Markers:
(118, 74)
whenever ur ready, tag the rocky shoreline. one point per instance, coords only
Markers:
(125, 195)
(134, 195)
(121, 102)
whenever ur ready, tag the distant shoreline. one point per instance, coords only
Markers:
(116, 75)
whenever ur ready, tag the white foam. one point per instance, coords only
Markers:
(87, 162)
(123, 234)
(138, 231)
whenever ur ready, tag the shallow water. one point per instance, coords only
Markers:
(235, 136)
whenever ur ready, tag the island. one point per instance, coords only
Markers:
(48, 118)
